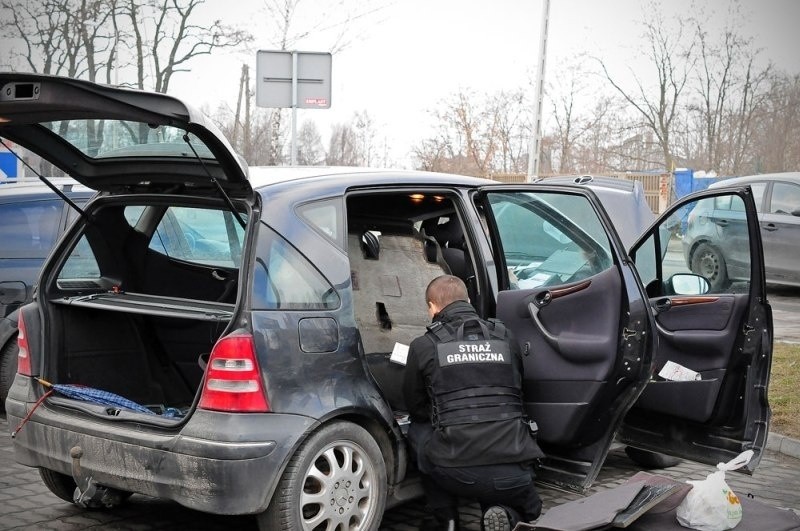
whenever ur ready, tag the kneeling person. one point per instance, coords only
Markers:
(468, 432)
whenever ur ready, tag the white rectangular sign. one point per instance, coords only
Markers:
(275, 74)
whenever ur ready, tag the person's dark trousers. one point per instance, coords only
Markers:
(439, 501)
(509, 485)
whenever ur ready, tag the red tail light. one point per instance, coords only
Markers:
(24, 357)
(233, 379)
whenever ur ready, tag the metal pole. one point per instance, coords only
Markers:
(294, 109)
(536, 133)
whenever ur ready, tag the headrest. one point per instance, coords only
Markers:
(448, 234)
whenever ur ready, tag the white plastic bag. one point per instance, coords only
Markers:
(711, 505)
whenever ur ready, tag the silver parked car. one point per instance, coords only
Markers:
(715, 227)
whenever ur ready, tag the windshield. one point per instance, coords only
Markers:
(102, 139)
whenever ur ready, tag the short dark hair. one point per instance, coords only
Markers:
(445, 290)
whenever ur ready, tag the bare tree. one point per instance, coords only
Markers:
(310, 151)
(573, 120)
(343, 146)
(478, 134)
(730, 91)
(366, 135)
(435, 154)
(775, 145)
(176, 37)
(670, 56)
(513, 131)
(61, 37)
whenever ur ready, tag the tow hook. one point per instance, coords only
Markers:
(88, 493)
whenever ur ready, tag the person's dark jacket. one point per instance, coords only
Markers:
(482, 443)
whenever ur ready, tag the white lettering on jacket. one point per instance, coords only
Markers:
(475, 357)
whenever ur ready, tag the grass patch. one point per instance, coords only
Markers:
(784, 390)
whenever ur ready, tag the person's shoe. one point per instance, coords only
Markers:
(496, 519)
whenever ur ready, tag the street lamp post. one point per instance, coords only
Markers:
(536, 133)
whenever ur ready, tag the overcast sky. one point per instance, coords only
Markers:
(412, 54)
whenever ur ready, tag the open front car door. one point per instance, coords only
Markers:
(704, 276)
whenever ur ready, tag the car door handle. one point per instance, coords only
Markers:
(662, 305)
(770, 227)
(533, 310)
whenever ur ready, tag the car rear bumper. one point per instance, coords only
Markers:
(220, 463)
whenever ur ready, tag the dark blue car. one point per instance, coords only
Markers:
(259, 316)
(32, 218)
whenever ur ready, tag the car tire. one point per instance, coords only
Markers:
(8, 369)
(708, 262)
(64, 487)
(59, 484)
(335, 480)
(649, 459)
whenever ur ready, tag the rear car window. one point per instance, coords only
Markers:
(284, 279)
(28, 229)
(118, 138)
(785, 199)
(326, 217)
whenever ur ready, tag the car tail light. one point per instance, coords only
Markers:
(24, 356)
(233, 379)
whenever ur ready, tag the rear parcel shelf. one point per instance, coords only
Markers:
(144, 304)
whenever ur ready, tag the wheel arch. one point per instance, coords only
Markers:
(392, 448)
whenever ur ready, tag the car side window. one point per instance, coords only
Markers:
(785, 199)
(81, 263)
(284, 279)
(548, 238)
(758, 195)
(700, 248)
(325, 217)
(28, 229)
(200, 235)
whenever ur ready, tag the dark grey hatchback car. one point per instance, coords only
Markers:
(251, 315)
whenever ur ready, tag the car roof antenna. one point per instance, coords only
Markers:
(216, 183)
(50, 185)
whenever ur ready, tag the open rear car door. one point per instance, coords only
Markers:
(596, 329)
(704, 275)
(573, 302)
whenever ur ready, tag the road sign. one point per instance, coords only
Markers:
(278, 71)
(9, 165)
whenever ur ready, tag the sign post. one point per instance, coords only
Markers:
(299, 80)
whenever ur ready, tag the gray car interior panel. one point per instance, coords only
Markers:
(108, 351)
(693, 400)
(700, 347)
(390, 274)
(389, 300)
(562, 384)
(706, 316)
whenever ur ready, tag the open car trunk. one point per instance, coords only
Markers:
(155, 361)
(139, 299)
